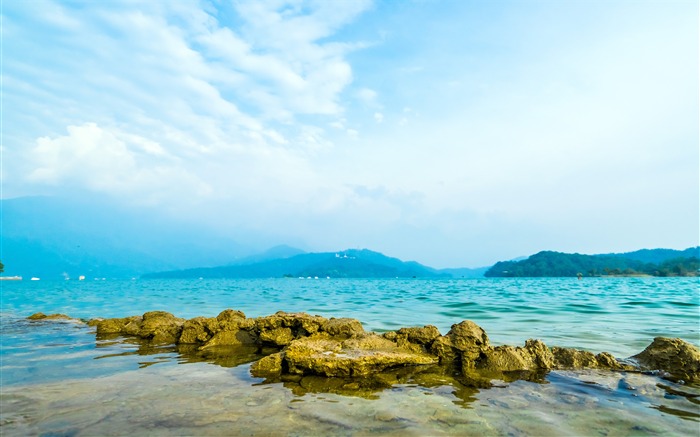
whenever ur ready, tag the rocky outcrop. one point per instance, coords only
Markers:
(299, 345)
(673, 355)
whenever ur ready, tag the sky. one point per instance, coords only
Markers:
(455, 133)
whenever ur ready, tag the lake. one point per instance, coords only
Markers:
(58, 379)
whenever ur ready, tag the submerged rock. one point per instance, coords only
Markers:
(673, 355)
(42, 316)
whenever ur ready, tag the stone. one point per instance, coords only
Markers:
(567, 358)
(116, 325)
(42, 316)
(423, 336)
(269, 366)
(277, 336)
(673, 355)
(232, 320)
(230, 338)
(607, 361)
(542, 356)
(198, 330)
(309, 347)
(160, 327)
(503, 359)
(343, 327)
(442, 347)
(327, 356)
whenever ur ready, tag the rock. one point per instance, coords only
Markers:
(116, 325)
(673, 355)
(280, 328)
(542, 356)
(607, 361)
(268, 366)
(470, 339)
(423, 336)
(277, 336)
(343, 327)
(503, 359)
(443, 349)
(567, 358)
(42, 316)
(359, 356)
(238, 337)
(198, 330)
(158, 326)
(301, 345)
(232, 320)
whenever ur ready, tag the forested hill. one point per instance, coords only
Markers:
(345, 264)
(654, 262)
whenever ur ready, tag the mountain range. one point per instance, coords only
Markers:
(352, 263)
(653, 262)
(53, 238)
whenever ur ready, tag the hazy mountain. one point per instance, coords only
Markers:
(49, 236)
(345, 264)
(277, 252)
(466, 272)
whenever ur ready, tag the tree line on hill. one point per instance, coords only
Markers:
(556, 264)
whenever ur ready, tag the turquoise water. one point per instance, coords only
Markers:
(57, 378)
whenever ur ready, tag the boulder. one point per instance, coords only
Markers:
(534, 356)
(278, 336)
(359, 356)
(118, 325)
(503, 359)
(232, 320)
(567, 358)
(269, 366)
(673, 355)
(158, 326)
(302, 345)
(343, 327)
(198, 330)
(238, 337)
(280, 328)
(424, 336)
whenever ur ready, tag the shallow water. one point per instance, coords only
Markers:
(58, 379)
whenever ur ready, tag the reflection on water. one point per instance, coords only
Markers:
(685, 399)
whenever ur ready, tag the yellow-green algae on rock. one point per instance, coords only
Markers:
(307, 345)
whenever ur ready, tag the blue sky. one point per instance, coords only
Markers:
(455, 133)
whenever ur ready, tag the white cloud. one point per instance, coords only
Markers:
(378, 117)
(112, 162)
(367, 96)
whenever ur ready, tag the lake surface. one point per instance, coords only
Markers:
(58, 379)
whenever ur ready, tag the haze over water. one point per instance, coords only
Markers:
(53, 380)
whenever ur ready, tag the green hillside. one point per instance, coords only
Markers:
(653, 262)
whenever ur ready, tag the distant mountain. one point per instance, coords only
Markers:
(658, 256)
(277, 252)
(345, 264)
(655, 262)
(466, 272)
(50, 237)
